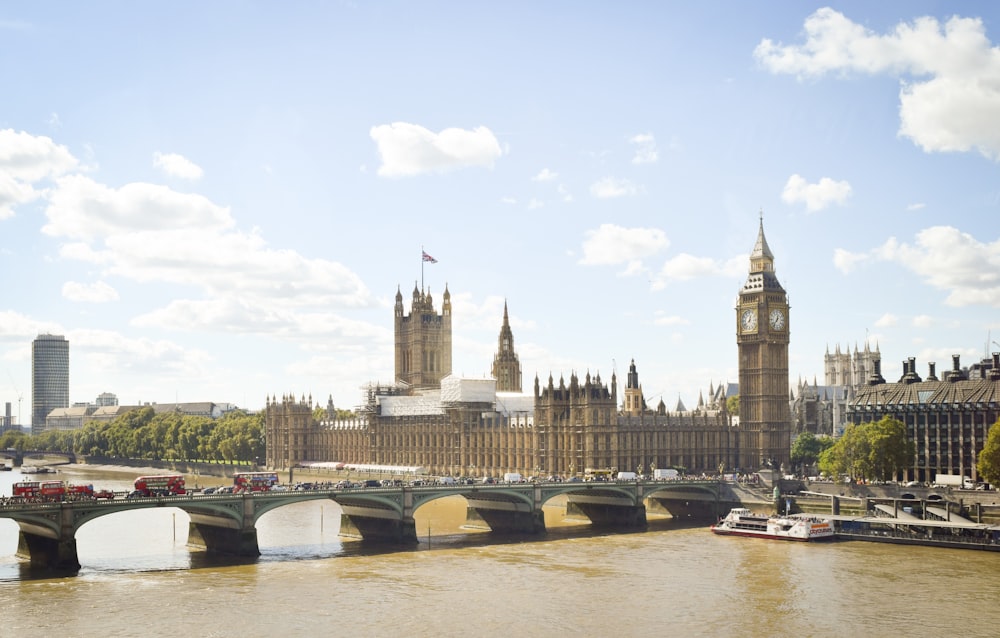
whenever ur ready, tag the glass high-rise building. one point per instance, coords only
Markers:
(49, 378)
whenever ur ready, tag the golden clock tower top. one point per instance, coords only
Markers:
(761, 277)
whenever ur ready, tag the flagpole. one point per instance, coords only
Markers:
(421, 269)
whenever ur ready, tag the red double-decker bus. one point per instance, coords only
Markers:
(26, 491)
(52, 491)
(165, 485)
(254, 481)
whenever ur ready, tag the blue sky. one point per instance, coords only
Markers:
(218, 201)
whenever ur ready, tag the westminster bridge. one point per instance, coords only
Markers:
(226, 523)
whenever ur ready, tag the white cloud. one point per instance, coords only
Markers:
(80, 208)
(152, 234)
(97, 292)
(887, 320)
(645, 152)
(918, 206)
(611, 244)
(24, 160)
(845, 261)
(948, 260)
(410, 149)
(950, 93)
(545, 175)
(610, 187)
(923, 321)
(815, 196)
(535, 203)
(685, 267)
(176, 165)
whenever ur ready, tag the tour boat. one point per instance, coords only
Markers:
(742, 522)
(36, 469)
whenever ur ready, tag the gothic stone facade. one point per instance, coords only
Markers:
(762, 337)
(569, 428)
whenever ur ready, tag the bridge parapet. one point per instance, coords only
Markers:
(226, 524)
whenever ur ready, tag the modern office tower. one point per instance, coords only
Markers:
(49, 378)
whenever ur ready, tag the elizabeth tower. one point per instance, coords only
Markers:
(762, 339)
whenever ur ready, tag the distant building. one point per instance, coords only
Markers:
(7, 422)
(948, 419)
(106, 399)
(506, 365)
(479, 427)
(75, 417)
(423, 340)
(49, 378)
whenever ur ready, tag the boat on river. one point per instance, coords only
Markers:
(37, 469)
(742, 522)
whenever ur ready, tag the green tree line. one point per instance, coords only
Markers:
(236, 437)
(876, 450)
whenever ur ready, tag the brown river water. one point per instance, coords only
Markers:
(140, 579)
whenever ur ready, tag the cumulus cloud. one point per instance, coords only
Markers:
(815, 196)
(83, 209)
(545, 175)
(845, 261)
(948, 260)
(410, 149)
(152, 234)
(176, 165)
(610, 187)
(685, 267)
(887, 320)
(97, 292)
(611, 244)
(645, 152)
(949, 96)
(26, 159)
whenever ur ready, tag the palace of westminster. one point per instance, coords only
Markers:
(454, 426)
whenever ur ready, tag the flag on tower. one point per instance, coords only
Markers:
(429, 258)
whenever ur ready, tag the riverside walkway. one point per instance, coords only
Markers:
(226, 523)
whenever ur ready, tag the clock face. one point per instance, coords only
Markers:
(748, 320)
(777, 319)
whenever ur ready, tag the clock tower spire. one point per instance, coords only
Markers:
(762, 337)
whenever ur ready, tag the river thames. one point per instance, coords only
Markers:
(140, 579)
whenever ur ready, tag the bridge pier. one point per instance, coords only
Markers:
(57, 554)
(508, 521)
(226, 541)
(225, 535)
(379, 530)
(613, 516)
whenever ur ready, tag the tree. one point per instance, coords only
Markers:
(733, 405)
(867, 451)
(889, 451)
(988, 462)
(807, 448)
